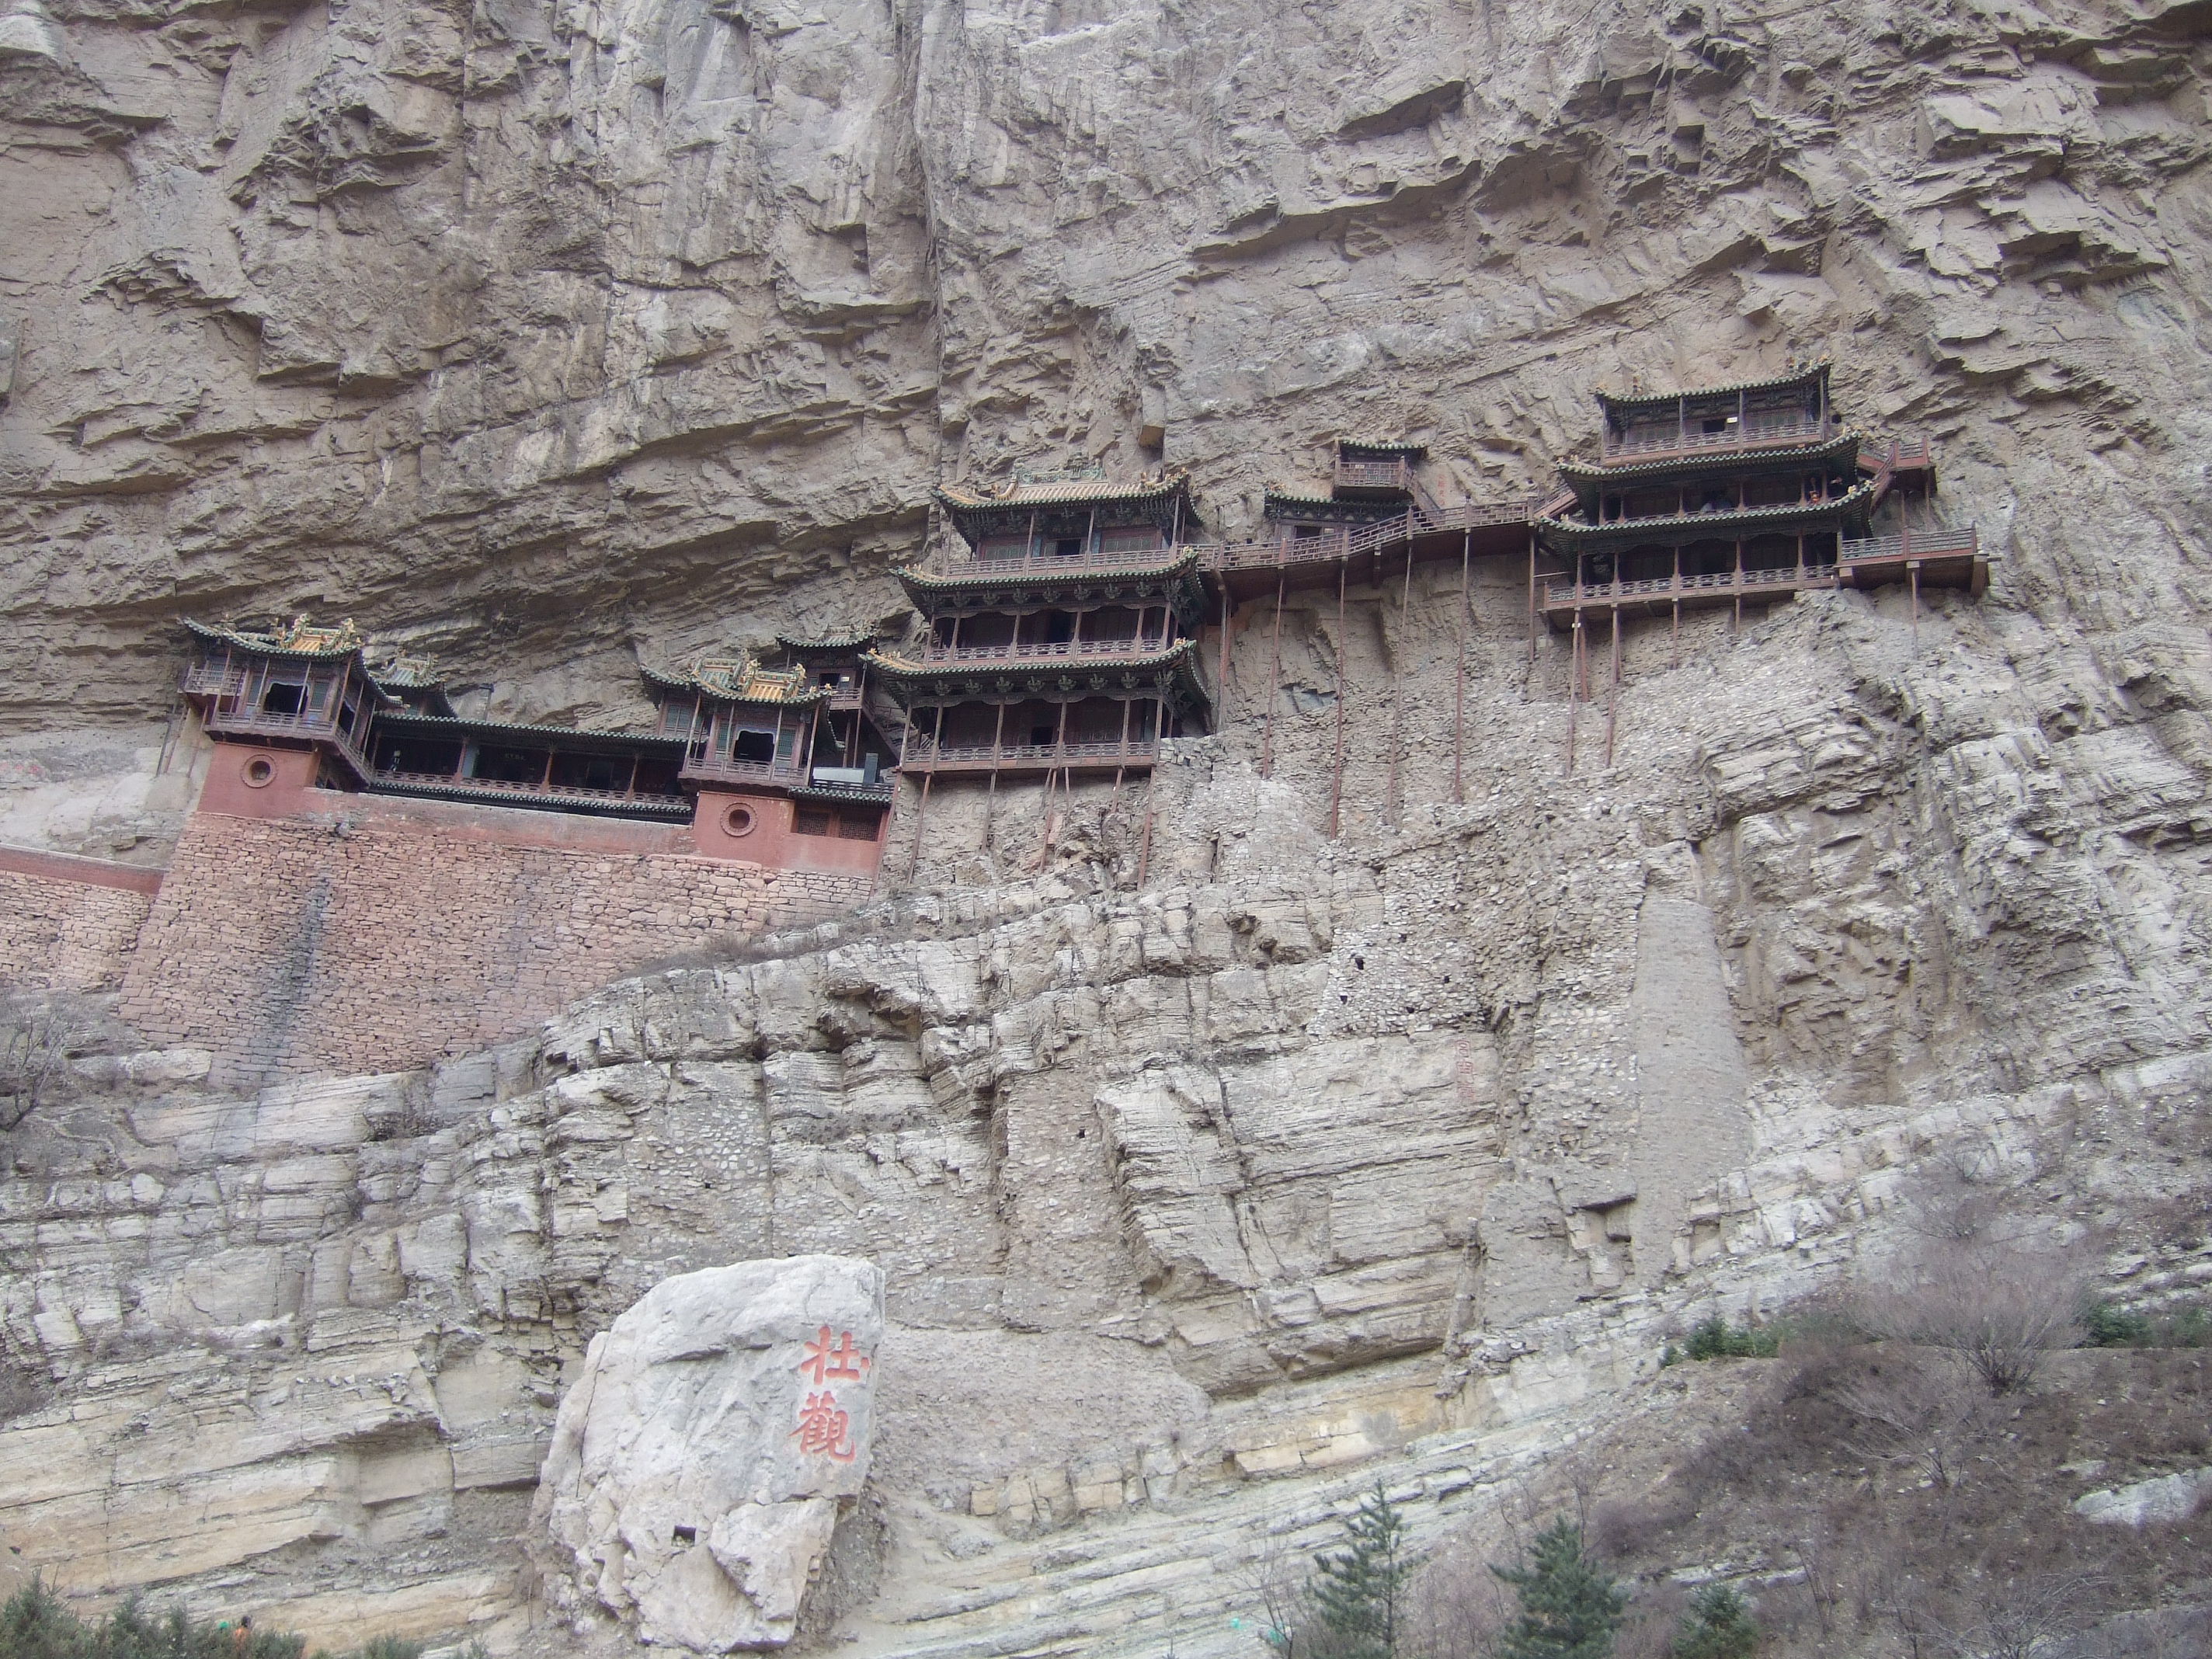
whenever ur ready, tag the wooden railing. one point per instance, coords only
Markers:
(1374, 474)
(213, 680)
(1911, 454)
(1914, 545)
(1033, 650)
(951, 563)
(1349, 542)
(1750, 435)
(310, 727)
(925, 755)
(496, 788)
(1718, 581)
(722, 769)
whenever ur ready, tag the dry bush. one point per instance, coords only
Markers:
(41, 1031)
(1457, 1608)
(1996, 1309)
(2027, 1620)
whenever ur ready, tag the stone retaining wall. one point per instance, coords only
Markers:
(291, 948)
(69, 923)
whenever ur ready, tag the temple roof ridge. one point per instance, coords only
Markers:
(740, 679)
(295, 637)
(1798, 374)
(1062, 490)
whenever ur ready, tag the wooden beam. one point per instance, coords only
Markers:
(1343, 695)
(1459, 679)
(1574, 677)
(1613, 691)
(1393, 805)
(1274, 681)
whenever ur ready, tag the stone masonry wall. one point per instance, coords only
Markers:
(64, 933)
(290, 948)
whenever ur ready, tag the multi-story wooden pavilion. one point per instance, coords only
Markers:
(1750, 491)
(1048, 651)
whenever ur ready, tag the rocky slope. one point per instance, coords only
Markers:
(549, 339)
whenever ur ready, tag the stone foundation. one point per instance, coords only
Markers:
(383, 942)
(69, 923)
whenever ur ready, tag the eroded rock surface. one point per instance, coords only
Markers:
(701, 1453)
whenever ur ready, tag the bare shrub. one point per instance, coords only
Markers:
(1997, 1309)
(2026, 1620)
(1457, 1607)
(41, 1031)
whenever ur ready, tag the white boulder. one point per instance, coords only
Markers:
(700, 1456)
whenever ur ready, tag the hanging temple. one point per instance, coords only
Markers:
(1060, 635)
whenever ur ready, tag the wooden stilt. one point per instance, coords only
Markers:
(1343, 695)
(1393, 804)
(1221, 675)
(1532, 595)
(991, 799)
(1613, 691)
(1912, 575)
(1275, 680)
(1058, 743)
(1675, 640)
(921, 810)
(1574, 681)
(1459, 679)
(1144, 843)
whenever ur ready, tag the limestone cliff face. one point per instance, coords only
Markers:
(548, 339)
(545, 335)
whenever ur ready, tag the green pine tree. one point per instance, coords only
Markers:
(1357, 1590)
(1570, 1609)
(1718, 1626)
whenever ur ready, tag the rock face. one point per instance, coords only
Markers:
(700, 1456)
(546, 339)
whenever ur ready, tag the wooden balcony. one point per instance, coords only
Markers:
(500, 792)
(951, 563)
(213, 680)
(1923, 558)
(980, 759)
(1751, 435)
(310, 729)
(721, 768)
(1373, 478)
(1044, 651)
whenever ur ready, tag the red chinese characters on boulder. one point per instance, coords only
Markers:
(825, 1429)
(826, 1360)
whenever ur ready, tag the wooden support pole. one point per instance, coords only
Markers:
(1274, 681)
(1145, 842)
(921, 809)
(1059, 746)
(1532, 594)
(1343, 695)
(1221, 675)
(1613, 691)
(1675, 643)
(991, 795)
(1393, 803)
(1574, 680)
(1912, 575)
(1459, 678)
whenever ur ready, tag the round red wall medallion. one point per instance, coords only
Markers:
(740, 820)
(259, 773)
